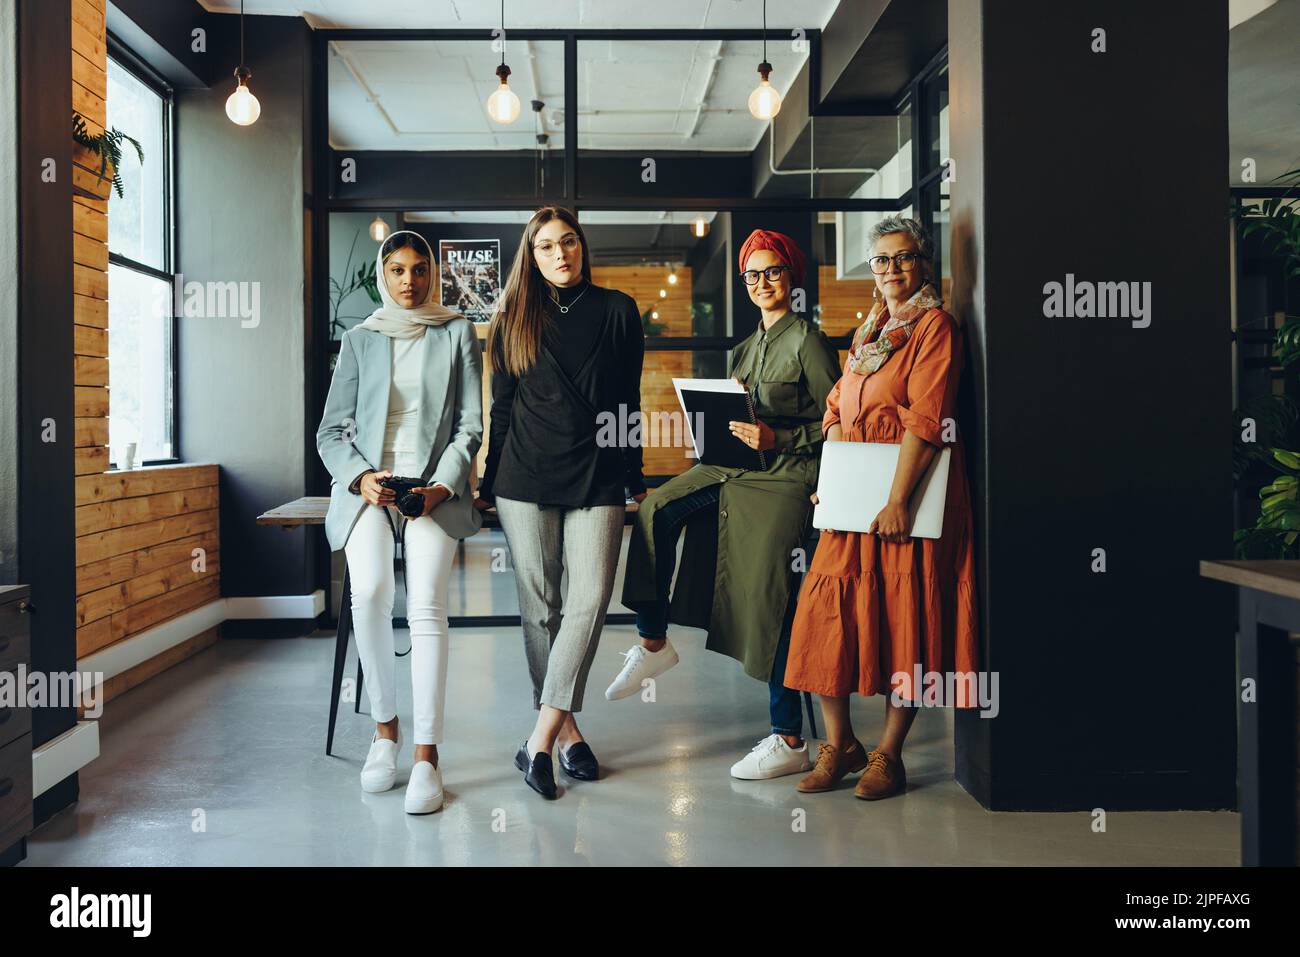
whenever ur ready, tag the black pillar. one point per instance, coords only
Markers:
(46, 427)
(1097, 440)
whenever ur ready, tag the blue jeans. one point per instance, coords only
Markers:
(652, 622)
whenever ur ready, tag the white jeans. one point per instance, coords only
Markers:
(428, 555)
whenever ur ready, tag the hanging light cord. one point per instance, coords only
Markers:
(764, 27)
(241, 30)
(503, 30)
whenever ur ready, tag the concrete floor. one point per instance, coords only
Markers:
(220, 761)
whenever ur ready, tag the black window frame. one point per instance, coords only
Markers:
(132, 63)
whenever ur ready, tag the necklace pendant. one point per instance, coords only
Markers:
(564, 310)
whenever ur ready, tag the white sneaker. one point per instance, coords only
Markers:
(772, 758)
(379, 773)
(641, 664)
(424, 789)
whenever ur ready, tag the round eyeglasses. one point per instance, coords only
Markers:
(906, 262)
(773, 273)
(547, 248)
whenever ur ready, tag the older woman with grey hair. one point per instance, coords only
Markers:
(878, 606)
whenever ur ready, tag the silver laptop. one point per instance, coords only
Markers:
(854, 483)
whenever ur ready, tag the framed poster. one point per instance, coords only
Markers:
(469, 273)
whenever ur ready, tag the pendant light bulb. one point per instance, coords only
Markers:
(700, 227)
(241, 106)
(503, 105)
(379, 229)
(672, 276)
(764, 102)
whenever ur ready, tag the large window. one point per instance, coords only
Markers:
(140, 302)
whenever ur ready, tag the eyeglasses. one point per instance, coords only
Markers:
(773, 273)
(906, 262)
(547, 248)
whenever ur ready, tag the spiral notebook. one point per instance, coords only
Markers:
(709, 405)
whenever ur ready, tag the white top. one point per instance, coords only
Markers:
(402, 429)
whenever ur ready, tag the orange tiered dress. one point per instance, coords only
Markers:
(869, 608)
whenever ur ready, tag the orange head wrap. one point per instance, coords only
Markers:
(781, 244)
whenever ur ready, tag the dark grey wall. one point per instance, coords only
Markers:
(1117, 689)
(240, 199)
(163, 35)
(9, 279)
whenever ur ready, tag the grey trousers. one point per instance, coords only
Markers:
(560, 646)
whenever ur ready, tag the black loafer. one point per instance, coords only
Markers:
(578, 762)
(538, 773)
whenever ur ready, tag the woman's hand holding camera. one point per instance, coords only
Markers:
(372, 492)
(433, 497)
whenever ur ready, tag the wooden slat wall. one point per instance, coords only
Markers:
(643, 283)
(137, 531)
(841, 300)
(90, 242)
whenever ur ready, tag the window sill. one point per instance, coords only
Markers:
(156, 466)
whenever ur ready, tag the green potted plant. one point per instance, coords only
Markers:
(362, 278)
(107, 148)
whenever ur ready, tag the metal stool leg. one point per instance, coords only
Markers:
(340, 656)
(356, 708)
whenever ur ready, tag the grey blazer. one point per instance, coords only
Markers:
(351, 434)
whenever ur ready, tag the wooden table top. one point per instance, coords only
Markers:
(311, 509)
(1275, 577)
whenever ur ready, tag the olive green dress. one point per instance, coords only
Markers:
(737, 562)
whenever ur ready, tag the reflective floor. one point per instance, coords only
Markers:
(220, 760)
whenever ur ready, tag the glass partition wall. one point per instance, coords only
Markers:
(650, 140)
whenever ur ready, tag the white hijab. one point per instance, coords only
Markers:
(396, 321)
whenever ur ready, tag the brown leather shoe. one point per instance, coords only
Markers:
(885, 776)
(833, 764)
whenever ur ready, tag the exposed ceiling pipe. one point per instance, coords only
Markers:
(708, 85)
(771, 161)
(370, 94)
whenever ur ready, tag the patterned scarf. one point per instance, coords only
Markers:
(874, 343)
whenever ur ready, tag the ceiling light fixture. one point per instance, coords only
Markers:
(503, 105)
(764, 102)
(379, 229)
(241, 106)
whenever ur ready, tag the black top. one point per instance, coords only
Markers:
(572, 335)
(542, 441)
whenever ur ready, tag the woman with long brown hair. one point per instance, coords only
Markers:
(562, 352)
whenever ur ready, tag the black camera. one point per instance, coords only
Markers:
(409, 503)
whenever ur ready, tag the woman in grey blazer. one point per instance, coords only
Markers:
(405, 400)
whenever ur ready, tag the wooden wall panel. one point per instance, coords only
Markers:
(164, 478)
(118, 541)
(120, 568)
(102, 516)
(643, 283)
(137, 531)
(89, 460)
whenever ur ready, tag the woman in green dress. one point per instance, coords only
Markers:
(745, 528)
